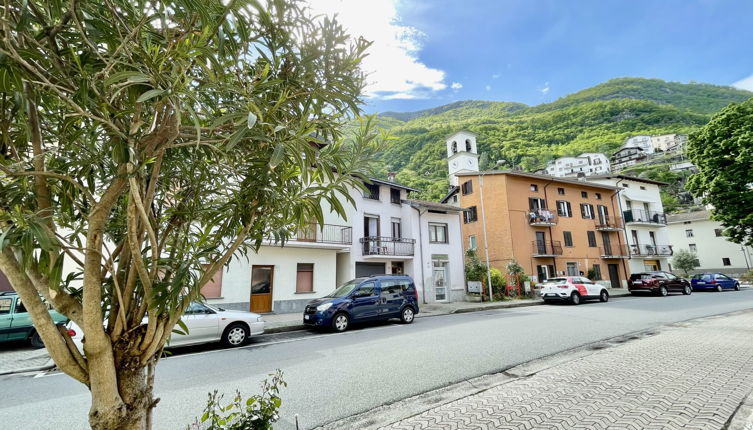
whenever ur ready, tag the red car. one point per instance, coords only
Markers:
(661, 283)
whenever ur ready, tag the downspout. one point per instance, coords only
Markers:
(421, 252)
(624, 228)
(551, 238)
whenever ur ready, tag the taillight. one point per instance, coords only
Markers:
(71, 332)
(415, 292)
(563, 286)
(712, 281)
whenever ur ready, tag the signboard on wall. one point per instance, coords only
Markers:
(474, 287)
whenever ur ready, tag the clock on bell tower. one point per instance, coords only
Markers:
(462, 155)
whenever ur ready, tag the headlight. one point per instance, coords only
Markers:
(324, 307)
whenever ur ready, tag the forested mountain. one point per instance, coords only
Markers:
(597, 119)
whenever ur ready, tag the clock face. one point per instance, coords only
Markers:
(470, 162)
(454, 164)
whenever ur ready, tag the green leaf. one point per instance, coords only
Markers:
(41, 236)
(277, 155)
(235, 138)
(131, 76)
(251, 120)
(3, 236)
(149, 95)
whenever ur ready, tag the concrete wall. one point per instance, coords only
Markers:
(710, 248)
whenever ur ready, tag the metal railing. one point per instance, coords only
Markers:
(547, 248)
(325, 233)
(606, 223)
(380, 245)
(643, 250)
(644, 216)
(541, 217)
(614, 251)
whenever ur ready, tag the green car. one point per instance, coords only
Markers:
(15, 322)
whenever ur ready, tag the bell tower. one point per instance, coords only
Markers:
(462, 155)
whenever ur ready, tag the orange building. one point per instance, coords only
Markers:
(550, 226)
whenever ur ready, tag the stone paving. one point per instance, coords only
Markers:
(691, 376)
(18, 357)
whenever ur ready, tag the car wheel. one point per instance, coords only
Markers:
(737, 287)
(719, 288)
(340, 322)
(687, 290)
(604, 296)
(36, 340)
(407, 315)
(663, 291)
(235, 335)
(575, 298)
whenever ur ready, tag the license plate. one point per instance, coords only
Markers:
(550, 295)
(306, 317)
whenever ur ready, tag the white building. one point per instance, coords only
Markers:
(385, 232)
(669, 142)
(643, 221)
(698, 233)
(586, 164)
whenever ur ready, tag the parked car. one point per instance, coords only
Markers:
(15, 322)
(658, 282)
(206, 324)
(573, 289)
(371, 298)
(714, 281)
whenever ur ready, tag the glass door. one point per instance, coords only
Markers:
(439, 279)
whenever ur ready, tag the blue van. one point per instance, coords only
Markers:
(378, 297)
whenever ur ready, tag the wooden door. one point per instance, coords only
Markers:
(262, 284)
(614, 275)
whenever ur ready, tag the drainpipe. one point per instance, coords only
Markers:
(624, 227)
(421, 252)
(486, 241)
(551, 238)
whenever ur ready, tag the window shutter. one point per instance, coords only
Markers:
(569, 209)
(583, 210)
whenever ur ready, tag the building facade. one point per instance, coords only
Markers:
(669, 142)
(642, 215)
(698, 233)
(586, 164)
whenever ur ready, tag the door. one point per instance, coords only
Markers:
(725, 281)
(368, 269)
(651, 265)
(5, 316)
(20, 323)
(202, 323)
(366, 302)
(397, 268)
(593, 288)
(603, 214)
(541, 242)
(607, 243)
(614, 275)
(391, 293)
(439, 278)
(262, 280)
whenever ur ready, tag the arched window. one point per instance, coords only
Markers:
(468, 145)
(454, 147)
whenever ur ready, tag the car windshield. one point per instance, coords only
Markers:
(702, 276)
(557, 281)
(345, 289)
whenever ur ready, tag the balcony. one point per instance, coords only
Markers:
(541, 218)
(609, 223)
(641, 250)
(390, 246)
(547, 248)
(325, 233)
(643, 217)
(614, 251)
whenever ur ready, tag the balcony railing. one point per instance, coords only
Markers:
(379, 245)
(541, 217)
(614, 251)
(641, 250)
(325, 233)
(547, 248)
(644, 217)
(609, 223)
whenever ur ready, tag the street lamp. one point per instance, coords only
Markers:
(483, 226)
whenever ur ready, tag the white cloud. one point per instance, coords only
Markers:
(545, 89)
(456, 86)
(395, 71)
(488, 88)
(745, 83)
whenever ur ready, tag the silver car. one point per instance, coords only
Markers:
(205, 324)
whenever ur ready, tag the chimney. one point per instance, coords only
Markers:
(391, 176)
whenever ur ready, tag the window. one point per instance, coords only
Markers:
(564, 208)
(437, 233)
(718, 232)
(472, 242)
(584, 194)
(213, 288)
(572, 269)
(535, 203)
(534, 188)
(468, 145)
(688, 233)
(397, 228)
(692, 247)
(5, 306)
(454, 147)
(366, 290)
(466, 187)
(561, 191)
(196, 308)
(686, 222)
(395, 196)
(470, 215)
(726, 261)
(372, 191)
(598, 196)
(586, 211)
(455, 198)
(304, 280)
(591, 239)
(597, 272)
(626, 185)
(568, 238)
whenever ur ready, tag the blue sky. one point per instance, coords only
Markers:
(431, 52)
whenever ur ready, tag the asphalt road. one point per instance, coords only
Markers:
(332, 376)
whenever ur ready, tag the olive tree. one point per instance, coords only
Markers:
(685, 261)
(148, 142)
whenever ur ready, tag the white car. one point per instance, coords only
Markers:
(205, 324)
(573, 289)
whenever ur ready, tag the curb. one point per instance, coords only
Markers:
(47, 366)
(742, 418)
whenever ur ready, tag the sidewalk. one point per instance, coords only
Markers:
(696, 375)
